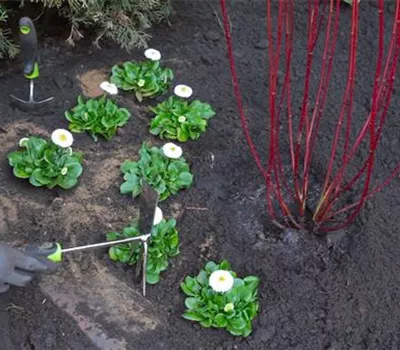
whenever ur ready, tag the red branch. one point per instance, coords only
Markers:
(303, 132)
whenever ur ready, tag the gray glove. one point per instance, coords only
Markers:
(18, 268)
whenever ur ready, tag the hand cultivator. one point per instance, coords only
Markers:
(29, 50)
(149, 200)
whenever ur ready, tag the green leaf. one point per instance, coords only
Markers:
(99, 116)
(139, 96)
(46, 164)
(187, 290)
(176, 119)
(214, 308)
(166, 176)
(192, 284)
(206, 323)
(202, 278)
(113, 254)
(210, 267)
(40, 177)
(185, 179)
(193, 303)
(129, 167)
(237, 323)
(35, 147)
(247, 330)
(244, 293)
(152, 278)
(221, 321)
(15, 158)
(21, 173)
(252, 282)
(234, 331)
(74, 169)
(67, 183)
(224, 265)
(128, 187)
(112, 236)
(183, 135)
(192, 316)
(35, 182)
(158, 250)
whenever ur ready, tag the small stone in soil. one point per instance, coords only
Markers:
(268, 333)
(391, 8)
(206, 60)
(212, 35)
(290, 236)
(334, 238)
(57, 203)
(67, 104)
(262, 44)
(63, 81)
(238, 54)
(177, 300)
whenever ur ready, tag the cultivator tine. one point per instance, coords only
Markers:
(138, 265)
(148, 205)
(144, 274)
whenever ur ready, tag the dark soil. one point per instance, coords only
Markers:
(336, 292)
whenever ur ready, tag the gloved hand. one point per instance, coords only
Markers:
(18, 268)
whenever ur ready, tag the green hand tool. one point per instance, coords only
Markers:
(29, 51)
(148, 205)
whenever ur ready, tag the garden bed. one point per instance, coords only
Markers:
(336, 292)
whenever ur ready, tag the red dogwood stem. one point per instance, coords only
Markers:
(303, 133)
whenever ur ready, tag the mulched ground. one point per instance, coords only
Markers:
(336, 292)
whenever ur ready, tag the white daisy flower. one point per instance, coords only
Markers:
(158, 216)
(153, 54)
(229, 307)
(62, 138)
(110, 88)
(183, 91)
(221, 281)
(64, 171)
(172, 151)
(23, 141)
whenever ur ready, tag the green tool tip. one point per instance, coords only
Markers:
(56, 256)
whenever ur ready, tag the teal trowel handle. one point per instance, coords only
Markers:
(29, 47)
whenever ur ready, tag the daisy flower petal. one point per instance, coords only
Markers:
(23, 141)
(172, 151)
(221, 281)
(183, 91)
(158, 216)
(62, 138)
(153, 54)
(109, 88)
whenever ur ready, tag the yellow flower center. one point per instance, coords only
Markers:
(173, 149)
(63, 137)
(222, 279)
